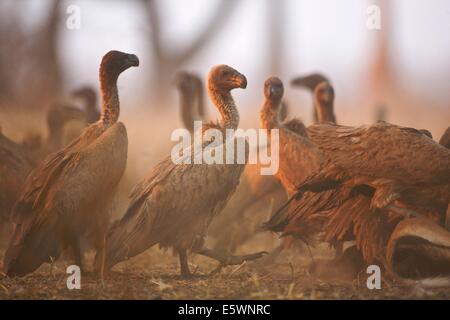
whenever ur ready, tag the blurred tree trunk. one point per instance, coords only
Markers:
(168, 61)
(11, 52)
(276, 18)
(30, 73)
(381, 77)
(45, 75)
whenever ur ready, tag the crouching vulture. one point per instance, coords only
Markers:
(358, 183)
(175, 204)
(66, 198)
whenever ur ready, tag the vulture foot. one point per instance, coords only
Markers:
(229, 260)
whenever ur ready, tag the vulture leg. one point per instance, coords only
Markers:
(78, 255)
(100, 254)
(228, 260)
(272, 257)
(339, 249)
(184, 267)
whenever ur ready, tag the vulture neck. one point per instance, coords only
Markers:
(225, 105)
(269, 115)
(325, 112)
(200, 100)
(187, 110)
(55, 136)
(110, 99)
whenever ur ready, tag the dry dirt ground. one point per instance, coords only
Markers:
(155, 275)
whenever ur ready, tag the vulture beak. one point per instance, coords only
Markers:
(240, 80)
(132, 60)
(275, 91)
(419, 248)
(309, 81)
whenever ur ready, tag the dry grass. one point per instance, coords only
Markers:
(154, 275)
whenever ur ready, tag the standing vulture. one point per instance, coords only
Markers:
(89, 98)
(325, 112)
(176, 203)
(66, 198)
(190, 87)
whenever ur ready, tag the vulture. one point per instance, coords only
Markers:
(445, 139)
(66, 198)
(190, 87)
(356, 183)
(89, 98)
(174, 205)
(15, 165)
(57, 117)
(257, 191)
(325, 112)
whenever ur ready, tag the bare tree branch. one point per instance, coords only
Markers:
(214, 24)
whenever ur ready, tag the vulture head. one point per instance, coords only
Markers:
(59, 115)
(225, 78)
(324, 93)
(309, 81)
(116, 62)
(186, 82)
(419, 248)
(274, 90)
(86, 94)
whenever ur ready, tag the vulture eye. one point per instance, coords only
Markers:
(226, 73)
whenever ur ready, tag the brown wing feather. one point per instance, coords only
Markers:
(384, 150)
(64, 196)
(173, 206)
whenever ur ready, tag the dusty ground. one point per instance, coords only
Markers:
(154, 275)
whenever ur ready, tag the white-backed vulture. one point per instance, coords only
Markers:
(15, 165)
(176, 203)
(362, 203)
(67, 197)
(89, 98)
(324, 112)
(190, 87)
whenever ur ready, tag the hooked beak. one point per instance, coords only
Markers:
(241, 81)
(309, 81)
(132, 60)
(275, 91)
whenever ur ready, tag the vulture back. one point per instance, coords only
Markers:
(65, 195)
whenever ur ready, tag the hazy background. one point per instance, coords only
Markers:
(404, 68)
